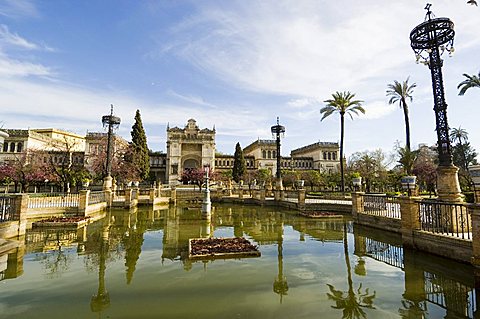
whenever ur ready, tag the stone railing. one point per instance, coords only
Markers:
(96, 197)
(51, 200)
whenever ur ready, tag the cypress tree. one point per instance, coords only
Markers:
(140, 149)
(239, 167)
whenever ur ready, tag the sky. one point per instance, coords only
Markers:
(232, 65)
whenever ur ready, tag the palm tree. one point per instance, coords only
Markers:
(472, 81)
(460, 135)
(401, 92)
(342, 103)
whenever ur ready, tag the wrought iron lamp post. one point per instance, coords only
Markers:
(277, 131)
(429, 40)
(112, 122)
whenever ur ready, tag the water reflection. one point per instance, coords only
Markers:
(431, 287)
(352, 301)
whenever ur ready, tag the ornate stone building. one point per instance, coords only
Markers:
(190, 147)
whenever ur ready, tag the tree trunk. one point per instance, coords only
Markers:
(342, 126)
(407, 124)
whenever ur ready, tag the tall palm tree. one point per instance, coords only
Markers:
(401, 92)
(342, 103)
(471, 81)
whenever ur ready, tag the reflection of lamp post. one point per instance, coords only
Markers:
(101, 300)
(280, 286)
(207, 204)
(278, 130)
(429, 40)
(112, 122)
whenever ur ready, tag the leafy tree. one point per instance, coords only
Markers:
(239, 166)
(140, 149)
(400, 93)
(426, 172)
(264, 176)
(471, 81)
(289, 177)
(372, 166)
(342, 103)
(311, 178)
(193, 176)
(407, 159)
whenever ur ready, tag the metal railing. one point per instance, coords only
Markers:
(96, 197)
(389, 254)
(7, 209)
(326, 198)
(451, 219)
(50, 200)
(382, 205)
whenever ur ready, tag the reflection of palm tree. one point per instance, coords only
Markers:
(351, 302)
(280, 286)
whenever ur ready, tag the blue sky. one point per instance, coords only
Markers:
(235, 65)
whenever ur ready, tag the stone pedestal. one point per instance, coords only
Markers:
(357, 203)
(474, 211)
(301, 198)
(107, 183)
(410, 220)
(448, 186)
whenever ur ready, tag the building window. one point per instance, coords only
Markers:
(274, 154)
(19, 147)
(269, 154)
(334, 156)
(324, 155)
(329, 156)
(5, 147)
(264, 154)
(12, 147)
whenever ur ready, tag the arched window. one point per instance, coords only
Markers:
(269, 154)
(5, 147)
(274, 154)
(329, 155)
(264, 154)
(12, 147)
(324, 155)
(334, 156)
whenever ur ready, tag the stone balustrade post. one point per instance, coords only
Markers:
(357, 203)
(474, 212)
(276, 194)
(262, 194)
(282, 194)
(173, 195)
(151, 194)
(240, 191)
(128, 198)
(301, 198)
(83, 196)
(109, 197)
(21, 206)
(410, 219)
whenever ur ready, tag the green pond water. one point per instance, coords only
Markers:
(135, 265)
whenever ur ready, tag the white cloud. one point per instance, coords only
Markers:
(18, 8)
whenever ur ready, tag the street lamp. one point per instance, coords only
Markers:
(278, 130)
(112, 122)
(429, 40)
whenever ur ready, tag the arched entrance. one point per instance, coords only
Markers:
(190, 163)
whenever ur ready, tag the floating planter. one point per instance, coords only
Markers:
(75, 222)
(320, 215)
(221, 248)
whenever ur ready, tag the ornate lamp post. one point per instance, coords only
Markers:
(277, 131)
(112, 122)
(429, 40)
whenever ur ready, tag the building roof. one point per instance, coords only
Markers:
(314, 146)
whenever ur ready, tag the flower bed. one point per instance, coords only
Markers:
(237, 247)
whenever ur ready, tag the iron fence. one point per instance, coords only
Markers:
(451, 219)
(333, 198)
(96, 197)
(382, 205)
(50, 200)
(7, 209)
(389, 254)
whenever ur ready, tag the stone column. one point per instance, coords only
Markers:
(410, 219)
(21, 206)
(173, 195)
(84, 194)
(151, 193)
(474, 212)
(301, 198)
(128, 198)
(448, 186)
(357, 203)
(262, 194)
